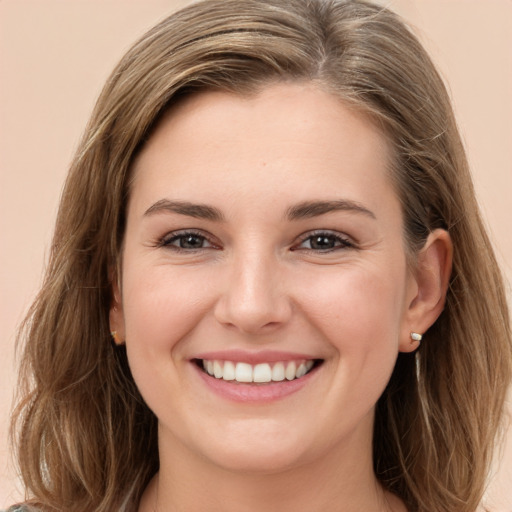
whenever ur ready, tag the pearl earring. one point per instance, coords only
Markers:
(416, 337)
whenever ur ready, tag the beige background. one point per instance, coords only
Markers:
(54, 57)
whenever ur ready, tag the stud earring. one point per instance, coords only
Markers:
(416, 337)
(115, 337)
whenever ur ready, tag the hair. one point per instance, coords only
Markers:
(85, 438)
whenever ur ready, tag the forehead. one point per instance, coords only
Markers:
(289, 136)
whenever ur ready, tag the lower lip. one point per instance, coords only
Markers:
(254, 393)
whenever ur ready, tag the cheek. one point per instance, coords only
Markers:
(358, 309)
(162, 305)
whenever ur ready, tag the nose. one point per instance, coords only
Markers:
(254, 298)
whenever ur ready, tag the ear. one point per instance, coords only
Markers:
(116, 315)
(426, 293)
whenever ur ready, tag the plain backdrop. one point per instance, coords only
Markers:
(55, 56)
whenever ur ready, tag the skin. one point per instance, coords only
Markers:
(254, 281)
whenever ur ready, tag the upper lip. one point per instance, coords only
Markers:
(243, 356)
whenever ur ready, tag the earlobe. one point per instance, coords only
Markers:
(431, 279)
(116, 317)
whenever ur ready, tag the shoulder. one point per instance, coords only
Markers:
(19, 508)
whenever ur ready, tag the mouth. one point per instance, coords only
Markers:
(261, 373)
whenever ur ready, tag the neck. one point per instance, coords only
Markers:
(341, 481)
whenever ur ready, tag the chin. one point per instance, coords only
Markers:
(256, 461)
(260, 450)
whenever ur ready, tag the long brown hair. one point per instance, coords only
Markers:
(85, 439)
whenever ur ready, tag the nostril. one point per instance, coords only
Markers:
(250, 320)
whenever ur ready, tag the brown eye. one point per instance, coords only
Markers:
(324, 242)
(186, 241)
(191, 242)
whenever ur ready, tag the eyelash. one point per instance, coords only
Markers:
(339, 241)
(180, 236)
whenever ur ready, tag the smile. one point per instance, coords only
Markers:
(258, 373)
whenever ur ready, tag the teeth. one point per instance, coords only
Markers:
(229, 371)
(260, 373)
(218, 370)
(301, 370)
(278, 372)
(243, 372)
(291, 370)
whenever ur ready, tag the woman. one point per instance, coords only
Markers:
(264, 291)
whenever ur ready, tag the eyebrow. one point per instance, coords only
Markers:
(304, 210)
(199, 211)
(310, 209)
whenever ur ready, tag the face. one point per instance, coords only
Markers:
(265, 293)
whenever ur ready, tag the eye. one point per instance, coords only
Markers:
(186, 241)
(323, 242)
